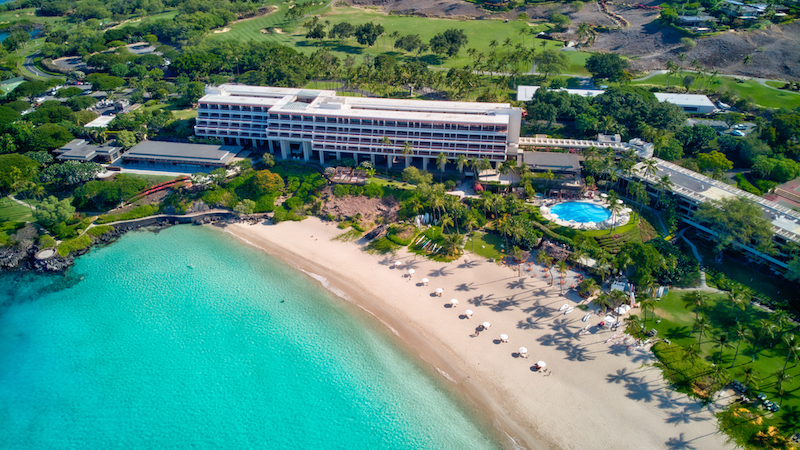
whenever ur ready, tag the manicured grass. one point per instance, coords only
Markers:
(762, 95)
(27, 14)
(677, 322)
(73, 245)
(479, 33)
(13, 211)
(151, 180)
(392, 184)
(177, 113)
(487, 245)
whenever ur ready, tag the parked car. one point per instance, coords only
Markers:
(740, 127)
(737, 133)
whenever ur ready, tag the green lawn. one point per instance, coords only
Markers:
(479, 32)
(392, 184)
(13, 211)
(178, 113)
(762, 95)
(487, 245)
(677, 322)
(28, 14)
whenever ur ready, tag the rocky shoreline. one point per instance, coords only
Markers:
(22, 256)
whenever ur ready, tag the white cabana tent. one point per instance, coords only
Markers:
(411, 272)
(468, 313)
(503, 338)
(425, 281)
(523, 352)
(486, 325)
(453, 303)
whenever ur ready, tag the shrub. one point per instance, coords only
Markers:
(73, 245)
(743, 184)
(100, 230)
(46, 241)
(135, 213)
(382, 245)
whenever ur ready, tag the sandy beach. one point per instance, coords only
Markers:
(594, 394)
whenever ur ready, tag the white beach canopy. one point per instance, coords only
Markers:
(411, 271)
(486, 325)
(397, 263)
(425, 281)
(604, 195)
(504, 338)
(453, 303)
(541, 364)
(439, 290)
(468, 313)
(523, 351)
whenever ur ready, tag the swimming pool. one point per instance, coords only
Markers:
(580, 212)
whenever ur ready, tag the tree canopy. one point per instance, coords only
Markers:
(52, 211)
(448, 43)
(736, 221)
(606, 66)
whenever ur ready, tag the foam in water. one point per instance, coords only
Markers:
(186, 338)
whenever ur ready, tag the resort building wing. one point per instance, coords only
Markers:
(319, 125)
(690, 103)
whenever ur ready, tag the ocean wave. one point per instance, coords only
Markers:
(446, 375)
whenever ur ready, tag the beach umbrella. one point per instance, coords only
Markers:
(486, 325)
(439, 290)
(523, 352)
(604, 195)
(397, 263)
(504, 338)
(453, 303)
(411, 272)
(425, 281)
(468, 313)
(541, 364)
(619, 202)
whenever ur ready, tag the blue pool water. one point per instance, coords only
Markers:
(188, 339)
(581, 212)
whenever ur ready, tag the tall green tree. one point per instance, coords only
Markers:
(735, 221)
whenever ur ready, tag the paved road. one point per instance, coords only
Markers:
(31, 67)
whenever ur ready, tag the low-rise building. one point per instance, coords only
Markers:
(690, 103)
(179, 156)
(85, 151)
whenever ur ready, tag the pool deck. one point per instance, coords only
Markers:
(620, 219)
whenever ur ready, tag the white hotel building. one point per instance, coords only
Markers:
(317, 125)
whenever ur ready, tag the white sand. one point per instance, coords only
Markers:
(596, 395)
(224, 30)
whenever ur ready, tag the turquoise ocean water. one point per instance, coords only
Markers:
(187, 339)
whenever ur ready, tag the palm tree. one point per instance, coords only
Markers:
(461, 162)
(750, 376)
(407, 152)
(484, 164)
(793, 347)
(441, 163)
(664, 184)
(453, 243)
(696, 300)
(766, 328)
(738, 299)
(588, 287)
(647, 303)
(649, 168)
(781, 377)
(562, 269)
(471, 223)
(721, 340)
(740, 333)
(446, 220)
(701, 326)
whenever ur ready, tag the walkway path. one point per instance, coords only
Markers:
(21, 202)
(703, 286)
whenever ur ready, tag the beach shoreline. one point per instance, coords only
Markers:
(567, 407)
